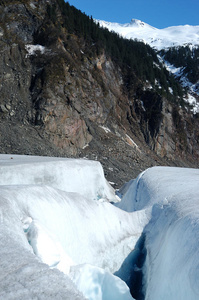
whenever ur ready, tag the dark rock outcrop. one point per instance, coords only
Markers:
(55, 99)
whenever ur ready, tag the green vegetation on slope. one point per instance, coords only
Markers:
(138, 61)
(185, 57)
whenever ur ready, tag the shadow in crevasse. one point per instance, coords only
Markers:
(131, 269)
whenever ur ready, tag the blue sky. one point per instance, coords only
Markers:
(157, 13)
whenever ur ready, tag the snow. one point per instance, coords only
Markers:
(45, 246)
(130, 142)
(1, 32)
(193, 102)
(193, 88)
(32, 49)
(106, 129)
(103, 230)
(171, 267)
(156, 38)
(32, 5)
(172, 69)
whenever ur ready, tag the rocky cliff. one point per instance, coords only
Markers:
(57, 97)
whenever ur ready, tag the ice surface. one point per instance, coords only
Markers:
(51, 222)
(43, 220)
(171, 269)
(46, 246)
(102, 230)
(98, 284)
(72, 175)
(22, 275)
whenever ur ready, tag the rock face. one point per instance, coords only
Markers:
(55, 99)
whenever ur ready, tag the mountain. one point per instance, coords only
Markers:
(157, 38)
(70, 88)
(178, 47)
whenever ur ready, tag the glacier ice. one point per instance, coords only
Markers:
(171, 268)
(98, 284)
(46, 222)
(60, 238)
(81, 176)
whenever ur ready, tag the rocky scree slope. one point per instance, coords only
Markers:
(59, 97)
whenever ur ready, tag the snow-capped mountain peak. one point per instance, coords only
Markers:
(157, 38)
(140, 24)
(137, 23)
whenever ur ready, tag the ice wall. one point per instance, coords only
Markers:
(171, 268)
(82, 176)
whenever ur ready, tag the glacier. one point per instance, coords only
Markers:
(171, 268)
(56, 214)
(65, 234)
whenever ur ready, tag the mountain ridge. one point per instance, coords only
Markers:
(165, 41)
(157, 38)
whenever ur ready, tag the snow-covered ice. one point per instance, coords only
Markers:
(47, 218)
(80, 176)
(60, 239)
(171, 269)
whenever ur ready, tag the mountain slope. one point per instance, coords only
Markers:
(177, 45)
(71, 88)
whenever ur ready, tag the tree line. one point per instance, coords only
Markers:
(136, 59)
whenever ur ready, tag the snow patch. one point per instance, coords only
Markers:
(106, 129)
(32, 49)
(130, 142)
(193, 88)
(32, 5)
(193, 102)
(1, 32)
